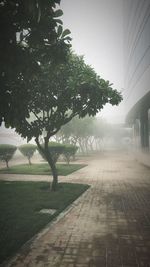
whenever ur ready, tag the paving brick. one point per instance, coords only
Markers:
(108, 226)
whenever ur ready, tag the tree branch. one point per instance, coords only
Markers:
(23, 38)
(38, 118)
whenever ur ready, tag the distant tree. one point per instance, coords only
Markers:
(57, 96)
(28, 150)
(7, 152)
(101, 131)
(31, 35)
(86, 134)
(69, 152)
(64, 135)
(79, 131)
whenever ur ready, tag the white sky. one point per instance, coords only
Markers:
(97, 33)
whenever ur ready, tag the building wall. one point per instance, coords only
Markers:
(137, 73)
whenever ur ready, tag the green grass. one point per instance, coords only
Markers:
(42, 169)
(20, 203)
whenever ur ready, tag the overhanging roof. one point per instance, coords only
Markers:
(141, 105)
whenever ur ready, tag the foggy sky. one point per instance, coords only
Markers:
(97, 33)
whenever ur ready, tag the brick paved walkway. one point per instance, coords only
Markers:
(109, 226)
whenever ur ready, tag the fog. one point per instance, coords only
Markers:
(97, 33)
(93, 136)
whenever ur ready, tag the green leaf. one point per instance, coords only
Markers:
(57, 1)
(60, 30)
(29, 139)
(66, 32)
(39, 15)
(68, 38)
(58, 13)
(59, 21)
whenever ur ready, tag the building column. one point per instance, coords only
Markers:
(144, 131)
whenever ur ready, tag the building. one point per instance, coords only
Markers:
(137, 74)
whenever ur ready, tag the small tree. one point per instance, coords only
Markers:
(58, 95)
(101, 131)
(69, 151)
(7, 152)
(55, 150)
(28, 150)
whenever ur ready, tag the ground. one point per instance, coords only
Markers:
(108, 226)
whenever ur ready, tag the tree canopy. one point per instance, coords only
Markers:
(63, 92)
(28, 151)
(60, 93)
(6, 152)
(31, 35)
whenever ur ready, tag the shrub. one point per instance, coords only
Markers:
(7, 152)
(69, 151)
(56, 149)
(28, 150)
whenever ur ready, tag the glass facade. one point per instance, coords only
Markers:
(137, 74)
(149, 126)
(136, 50)
(136, 133)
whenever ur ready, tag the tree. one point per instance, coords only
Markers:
(101, 131)
(82, 132)
(55, 150)
(59, 94)
(79, 131)
(69, 151)
(65, 133)
(28, 150)
(31, 34)
(88, 133)
(7, 152)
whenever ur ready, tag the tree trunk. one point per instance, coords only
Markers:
(7, 164)
(54, 172)
(29, 160)
(86, 146)
(46, 152)
(81, 147)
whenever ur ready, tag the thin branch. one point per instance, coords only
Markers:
(38, 143)
(49, 113)
(38, 118)
(70, 118)
(43, 115)
(24, 37)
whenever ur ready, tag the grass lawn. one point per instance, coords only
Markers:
(20, 203)
(42, 169)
